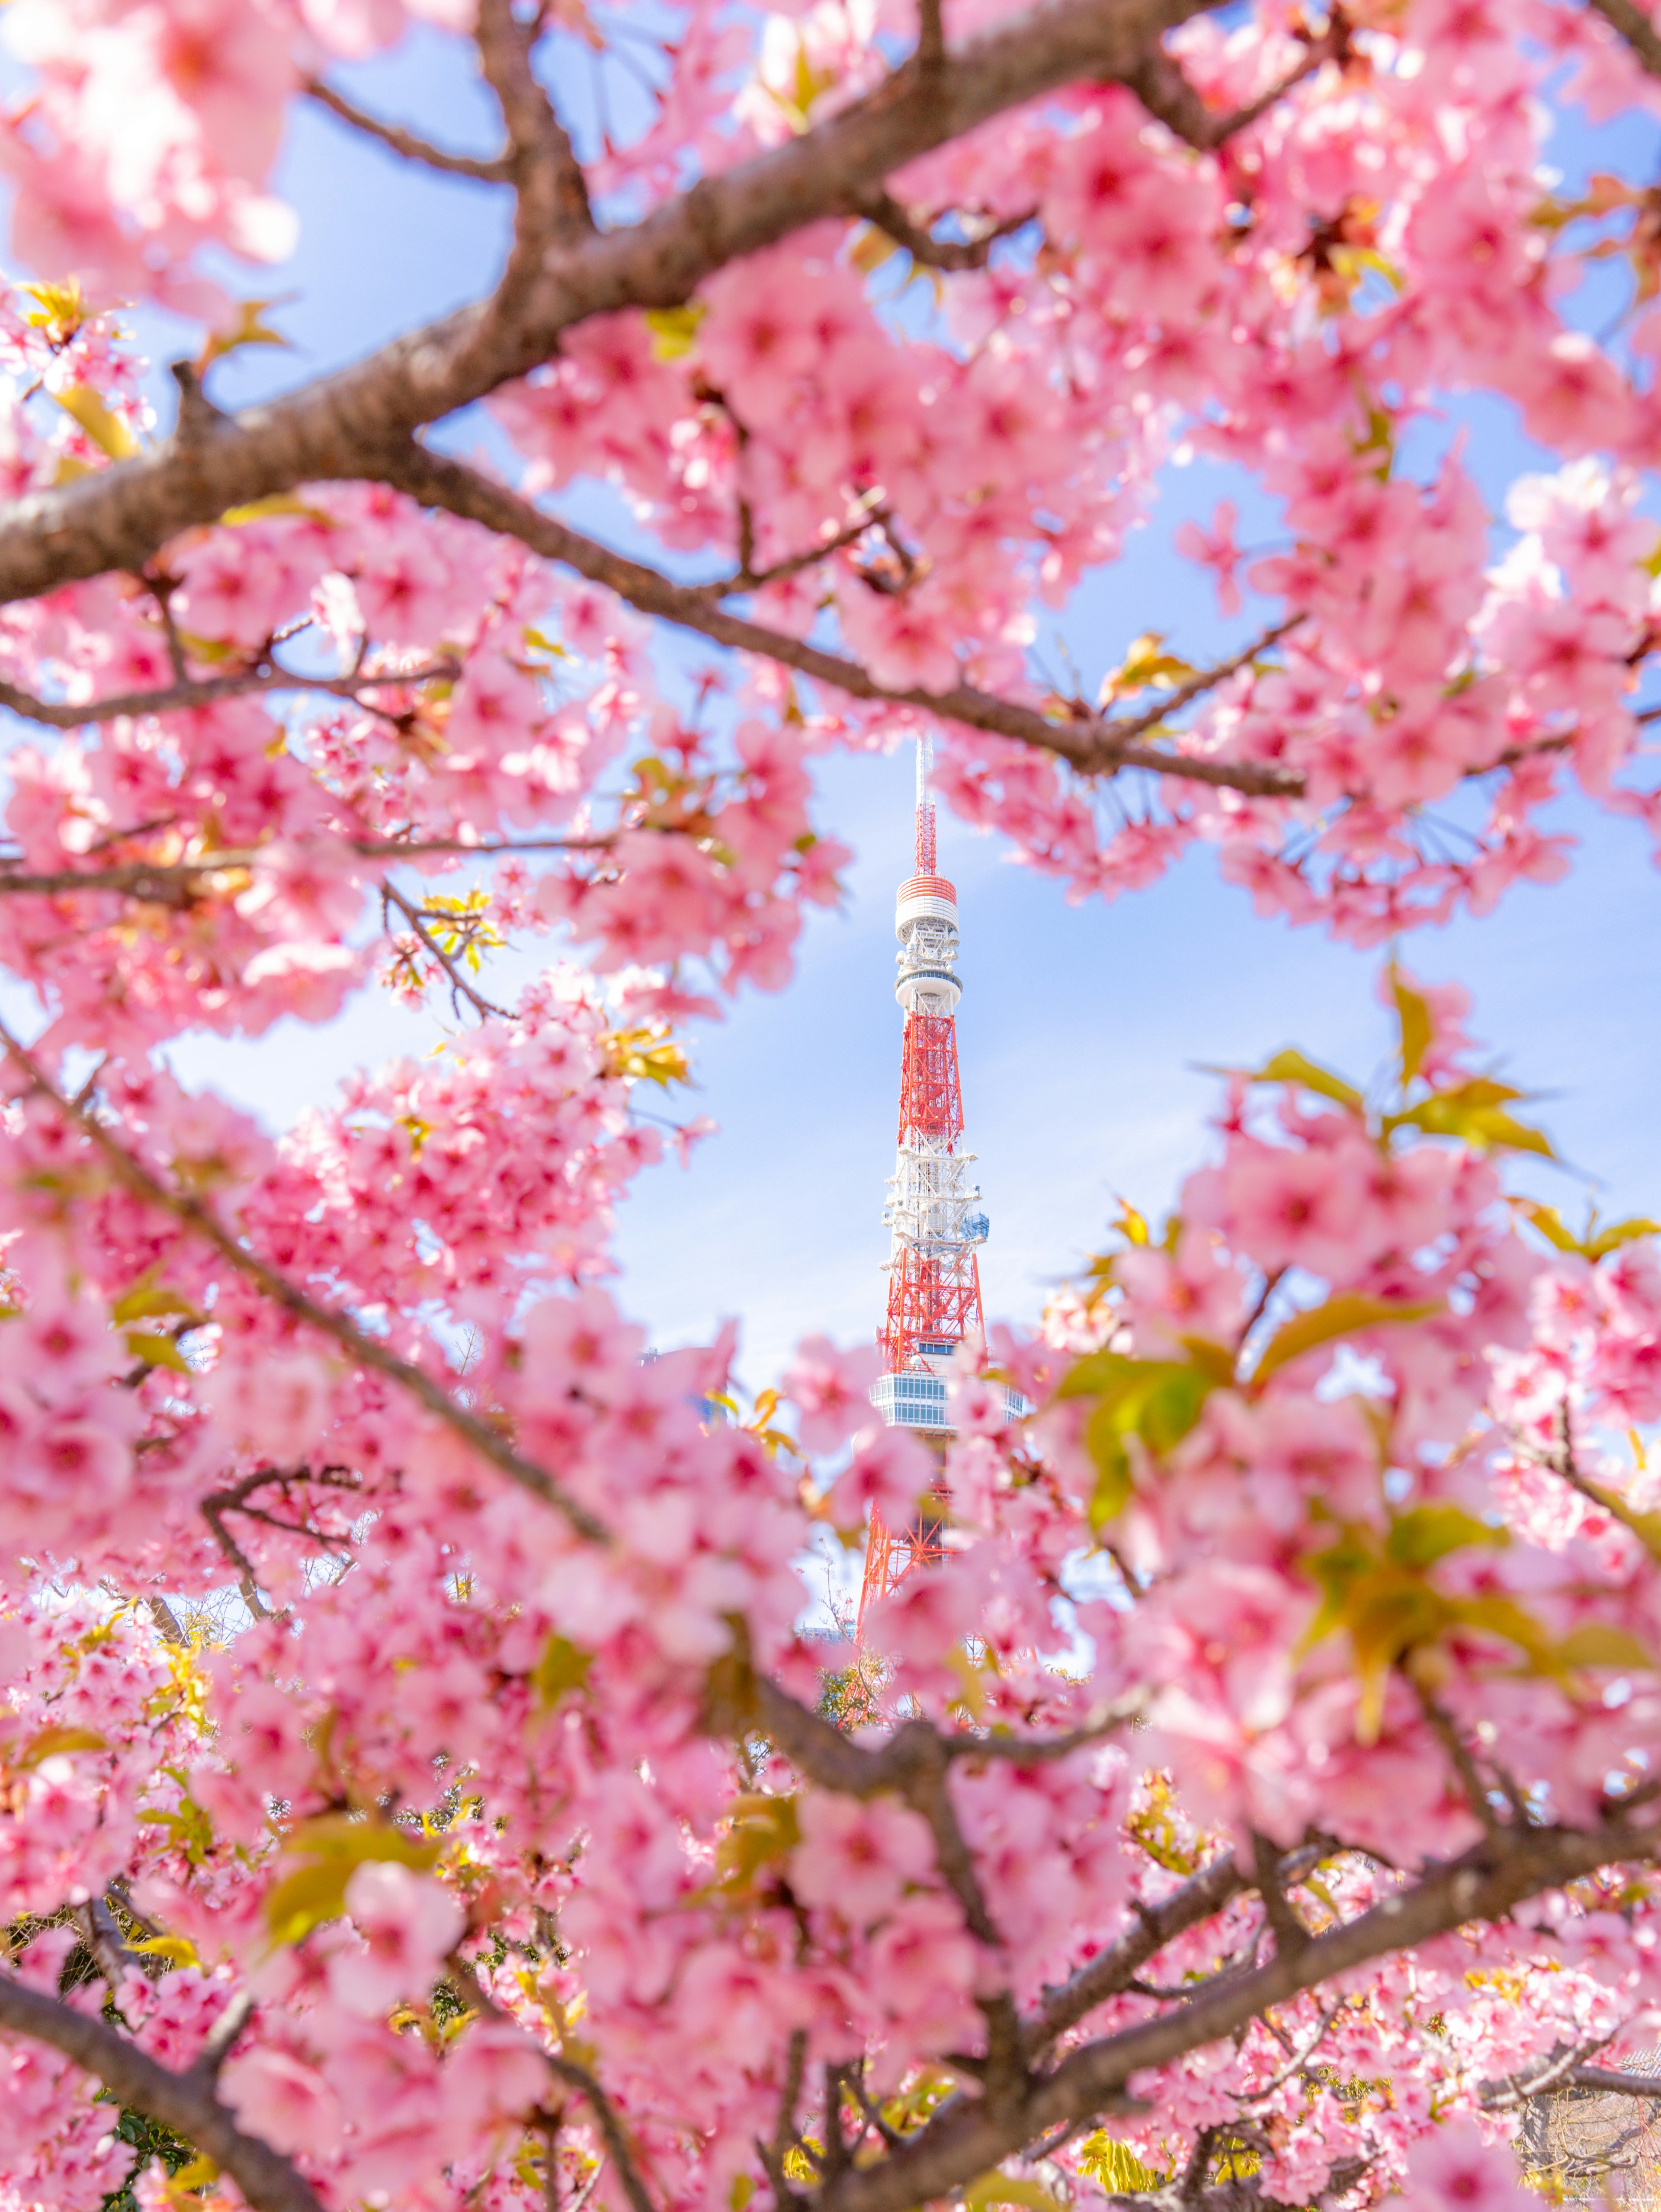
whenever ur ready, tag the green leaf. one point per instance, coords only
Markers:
(1426, 1534)
(1418, 1025)
(562, 1668)
(1343, 1313)
(1157, 1399)
(1293, 1067)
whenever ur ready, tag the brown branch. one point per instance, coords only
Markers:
(495, 170)
(176, 883)
(184, 2102)
(367, 1349)
(610, 2127)
(486, 1009)
(1633, 25)
(1166, 93)
(884, 211)
(337, 427)
(206, 691)
(1092, 746)
(966, 2137)
(542, 167)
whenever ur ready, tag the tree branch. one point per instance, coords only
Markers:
(883, 209)
(1092, 745)
(967, 2137)
(541, 166)
(367, 1349)
(185, 2102)
(206, 691)
(610, 2127)
(1633, 25)
(336, 428)
(496, 171)
(1166, 93)
(486, 1009)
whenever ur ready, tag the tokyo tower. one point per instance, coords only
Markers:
(933, 1209)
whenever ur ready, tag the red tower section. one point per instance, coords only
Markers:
(934, 1278)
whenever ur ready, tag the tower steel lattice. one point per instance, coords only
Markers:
(934, 1212)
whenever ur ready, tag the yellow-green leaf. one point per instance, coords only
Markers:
(1425, 1534)
(332, 1846)
(1418, 1026)
(1343, 1313)
(1292, 1066)
(275, 503)
(53, 1742)
(157, 1351)
(1131, 1224)
(1001, 2189)
(675, 329)
(1600, 1644)
(761, 1829)
(562, 1668)
(247, 330)
(1475, 1112)
(1617, 1234)
(178, 1950)
(147, 1300)
(103, 428)
(1096, 1372)
(871, 249)
(1118, 2168)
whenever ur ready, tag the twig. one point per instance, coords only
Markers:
(496, 170)
(617, 2143)
(485, 1008)
(368, 1351)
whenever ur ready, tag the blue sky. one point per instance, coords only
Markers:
(1082, 1029)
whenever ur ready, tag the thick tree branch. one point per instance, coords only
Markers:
(366, 1350)
(967, 2137)
(498, 171)
(1092, 745)
(185, 2102)
(335, 428)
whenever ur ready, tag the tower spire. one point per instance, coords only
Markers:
(934, 1217)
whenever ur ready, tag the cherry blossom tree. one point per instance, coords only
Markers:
(1257, 1803)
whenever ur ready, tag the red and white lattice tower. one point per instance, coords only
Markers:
(933, 1211)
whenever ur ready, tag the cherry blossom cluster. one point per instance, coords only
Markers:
(423, 1774)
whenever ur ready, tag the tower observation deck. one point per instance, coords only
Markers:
(935, 1224)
